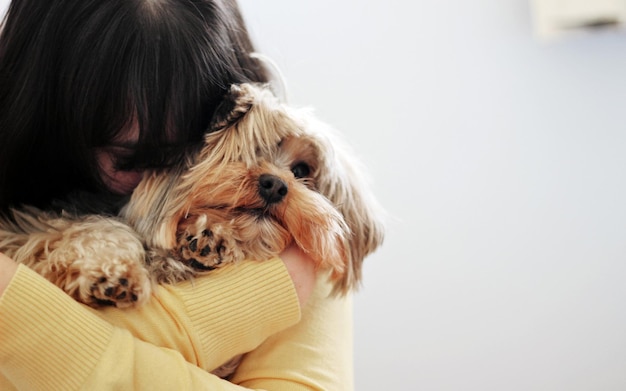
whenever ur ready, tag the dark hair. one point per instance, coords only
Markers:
(76, 73)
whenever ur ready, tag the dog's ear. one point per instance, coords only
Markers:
(342, 179)
(235, 104)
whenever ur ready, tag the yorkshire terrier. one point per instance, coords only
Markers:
(266, 176)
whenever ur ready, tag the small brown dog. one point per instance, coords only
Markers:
(268, 175)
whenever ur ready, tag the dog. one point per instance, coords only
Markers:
(266, 175)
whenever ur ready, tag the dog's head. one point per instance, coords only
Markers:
(283, 177)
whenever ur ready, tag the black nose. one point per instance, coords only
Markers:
(272, 189)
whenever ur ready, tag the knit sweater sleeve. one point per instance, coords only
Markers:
(314, 354)
(50, 342)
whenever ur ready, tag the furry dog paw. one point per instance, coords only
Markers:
(205, 246)
(102, 263)
(116, 282)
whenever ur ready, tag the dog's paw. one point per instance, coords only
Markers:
(111, 276)
(118, 283)
(206, 247)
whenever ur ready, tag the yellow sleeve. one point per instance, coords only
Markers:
(314, 354)
(50, 342)
(214, 318)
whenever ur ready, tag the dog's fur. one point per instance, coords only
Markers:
(267, 175)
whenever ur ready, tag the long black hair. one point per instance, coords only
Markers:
(76, 73)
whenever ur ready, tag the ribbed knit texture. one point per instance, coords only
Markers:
(48, 330)
(315, 354)
(274, 308)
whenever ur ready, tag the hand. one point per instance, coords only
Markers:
(301, 268)
(8, 267)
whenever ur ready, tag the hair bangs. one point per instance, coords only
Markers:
(176, 75)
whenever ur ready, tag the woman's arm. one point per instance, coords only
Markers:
(214, 318)
(48, 341)
(314, 354)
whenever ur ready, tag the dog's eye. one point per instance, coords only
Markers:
(301, 170)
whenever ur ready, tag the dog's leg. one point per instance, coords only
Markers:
(97, 261)
(105, 264)
(111, 276)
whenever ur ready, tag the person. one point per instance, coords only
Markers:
(92, 94)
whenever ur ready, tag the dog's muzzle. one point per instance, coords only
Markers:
(272, 189)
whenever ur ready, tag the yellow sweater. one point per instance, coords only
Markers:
(49, 342)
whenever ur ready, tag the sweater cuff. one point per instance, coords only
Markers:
(34, 328)
(260, 293)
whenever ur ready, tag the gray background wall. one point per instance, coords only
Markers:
(501, 161)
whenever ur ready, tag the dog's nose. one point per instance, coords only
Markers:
(272, 189)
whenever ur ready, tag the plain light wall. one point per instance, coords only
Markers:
(501, 160)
